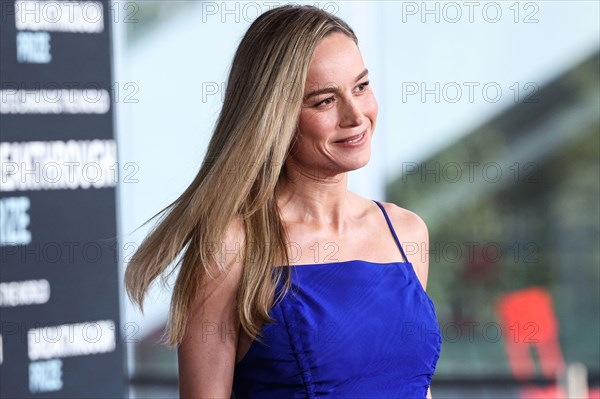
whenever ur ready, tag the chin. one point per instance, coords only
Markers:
(360, 163)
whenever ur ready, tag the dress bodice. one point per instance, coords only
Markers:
(352, 329)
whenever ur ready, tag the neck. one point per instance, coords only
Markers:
(314, 197)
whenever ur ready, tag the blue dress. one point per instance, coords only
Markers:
(351, 329)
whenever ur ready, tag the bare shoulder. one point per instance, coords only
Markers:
(413, 234)
(407, 222)
(227, 267)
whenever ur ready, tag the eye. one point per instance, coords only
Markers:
(362, 87)
(323, 102)
(365, 84)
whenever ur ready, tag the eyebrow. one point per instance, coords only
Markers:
(333, 89)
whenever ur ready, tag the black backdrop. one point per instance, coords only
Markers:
(59, 291)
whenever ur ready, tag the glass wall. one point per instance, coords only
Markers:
(514, 205)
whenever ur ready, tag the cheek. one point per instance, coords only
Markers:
(372, 107)
(316, 126)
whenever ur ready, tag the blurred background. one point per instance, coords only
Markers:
(488, 128)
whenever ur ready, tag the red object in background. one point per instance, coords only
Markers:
(528, 321)
(550, 392)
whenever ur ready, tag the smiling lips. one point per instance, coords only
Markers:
(352, 139)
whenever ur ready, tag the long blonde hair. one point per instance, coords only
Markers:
(257, 122)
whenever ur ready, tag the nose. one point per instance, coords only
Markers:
(351, 114)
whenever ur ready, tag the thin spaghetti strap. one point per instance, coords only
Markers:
(392, 229)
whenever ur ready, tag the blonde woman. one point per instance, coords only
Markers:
(291, 286)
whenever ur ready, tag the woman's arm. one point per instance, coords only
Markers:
(207, 353)
(428, 393)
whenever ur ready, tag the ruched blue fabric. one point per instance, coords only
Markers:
(350, 329)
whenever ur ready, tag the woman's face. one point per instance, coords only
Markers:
(338, 104)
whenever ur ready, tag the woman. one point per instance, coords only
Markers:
(291, 285)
